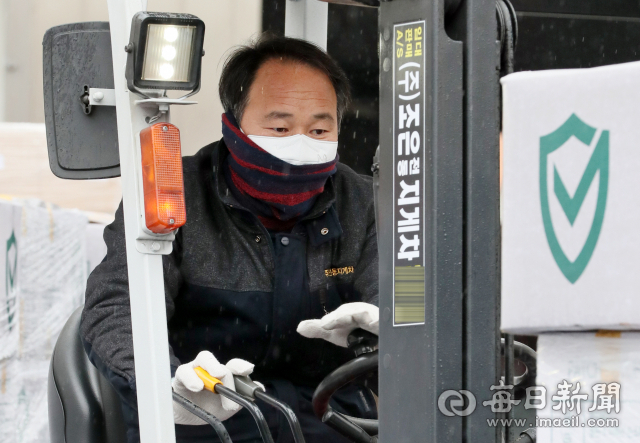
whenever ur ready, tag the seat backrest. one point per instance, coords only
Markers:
(83, 407)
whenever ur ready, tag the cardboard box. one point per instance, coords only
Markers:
(600, 364)
(570, 212)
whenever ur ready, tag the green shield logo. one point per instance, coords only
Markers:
(599, 162)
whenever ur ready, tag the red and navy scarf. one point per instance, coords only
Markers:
(277, 192)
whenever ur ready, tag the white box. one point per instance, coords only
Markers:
(593, 361)
(570, 211)
(9, 278)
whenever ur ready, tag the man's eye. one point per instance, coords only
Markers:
(319, 131)
(280, 130)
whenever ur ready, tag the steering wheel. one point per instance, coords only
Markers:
(365, 346)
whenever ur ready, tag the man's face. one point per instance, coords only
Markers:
(289, 98)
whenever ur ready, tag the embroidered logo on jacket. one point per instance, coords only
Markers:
(338, 271)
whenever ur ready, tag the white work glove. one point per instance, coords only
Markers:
(336, 326)
(190, 386)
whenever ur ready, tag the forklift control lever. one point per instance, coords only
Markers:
(214, 385)
(209, 381)
(250, 389)
(196, 410)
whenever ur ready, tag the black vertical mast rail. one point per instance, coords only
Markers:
(474, 23)
(455, 346)
(420, 354)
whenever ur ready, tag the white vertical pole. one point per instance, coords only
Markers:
(307, 20)
(146, 280)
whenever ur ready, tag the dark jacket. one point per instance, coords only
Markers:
(235, 289)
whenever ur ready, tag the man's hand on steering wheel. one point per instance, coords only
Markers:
(336, 326)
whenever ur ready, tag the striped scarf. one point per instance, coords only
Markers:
(277, 192)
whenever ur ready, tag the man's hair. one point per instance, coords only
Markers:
(241, 66)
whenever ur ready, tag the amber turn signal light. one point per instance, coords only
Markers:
(162, 181)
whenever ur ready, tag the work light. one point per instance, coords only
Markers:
(165, 52)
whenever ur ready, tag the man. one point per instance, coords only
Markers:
(278, 234)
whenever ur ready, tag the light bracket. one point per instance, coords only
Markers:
(102, 97)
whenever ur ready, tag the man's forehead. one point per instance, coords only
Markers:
(284, 87)
(277, 75)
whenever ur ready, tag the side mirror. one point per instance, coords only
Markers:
(82, 138)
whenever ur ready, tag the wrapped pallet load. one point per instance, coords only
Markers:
(571, 245)
(587, 376)
(9, 319)
(46, 254)
(52, 269)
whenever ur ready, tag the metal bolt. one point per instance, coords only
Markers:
(155, 246)
(284, 241)
(98, 96)
(128, 48)
(258, 238)
(324, 231)
(171, 221)
(165, 128)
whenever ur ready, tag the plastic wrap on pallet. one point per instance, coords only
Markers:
(52, 268)
(10, 389)
(9, 280)
(600, 374)
(54, 273)
(32, 412)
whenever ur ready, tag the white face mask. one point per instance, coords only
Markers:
(297, 149)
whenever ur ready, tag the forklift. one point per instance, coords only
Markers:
(437, 166)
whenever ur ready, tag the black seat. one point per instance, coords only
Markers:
(83, 407)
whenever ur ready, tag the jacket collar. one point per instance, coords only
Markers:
(322, 215)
